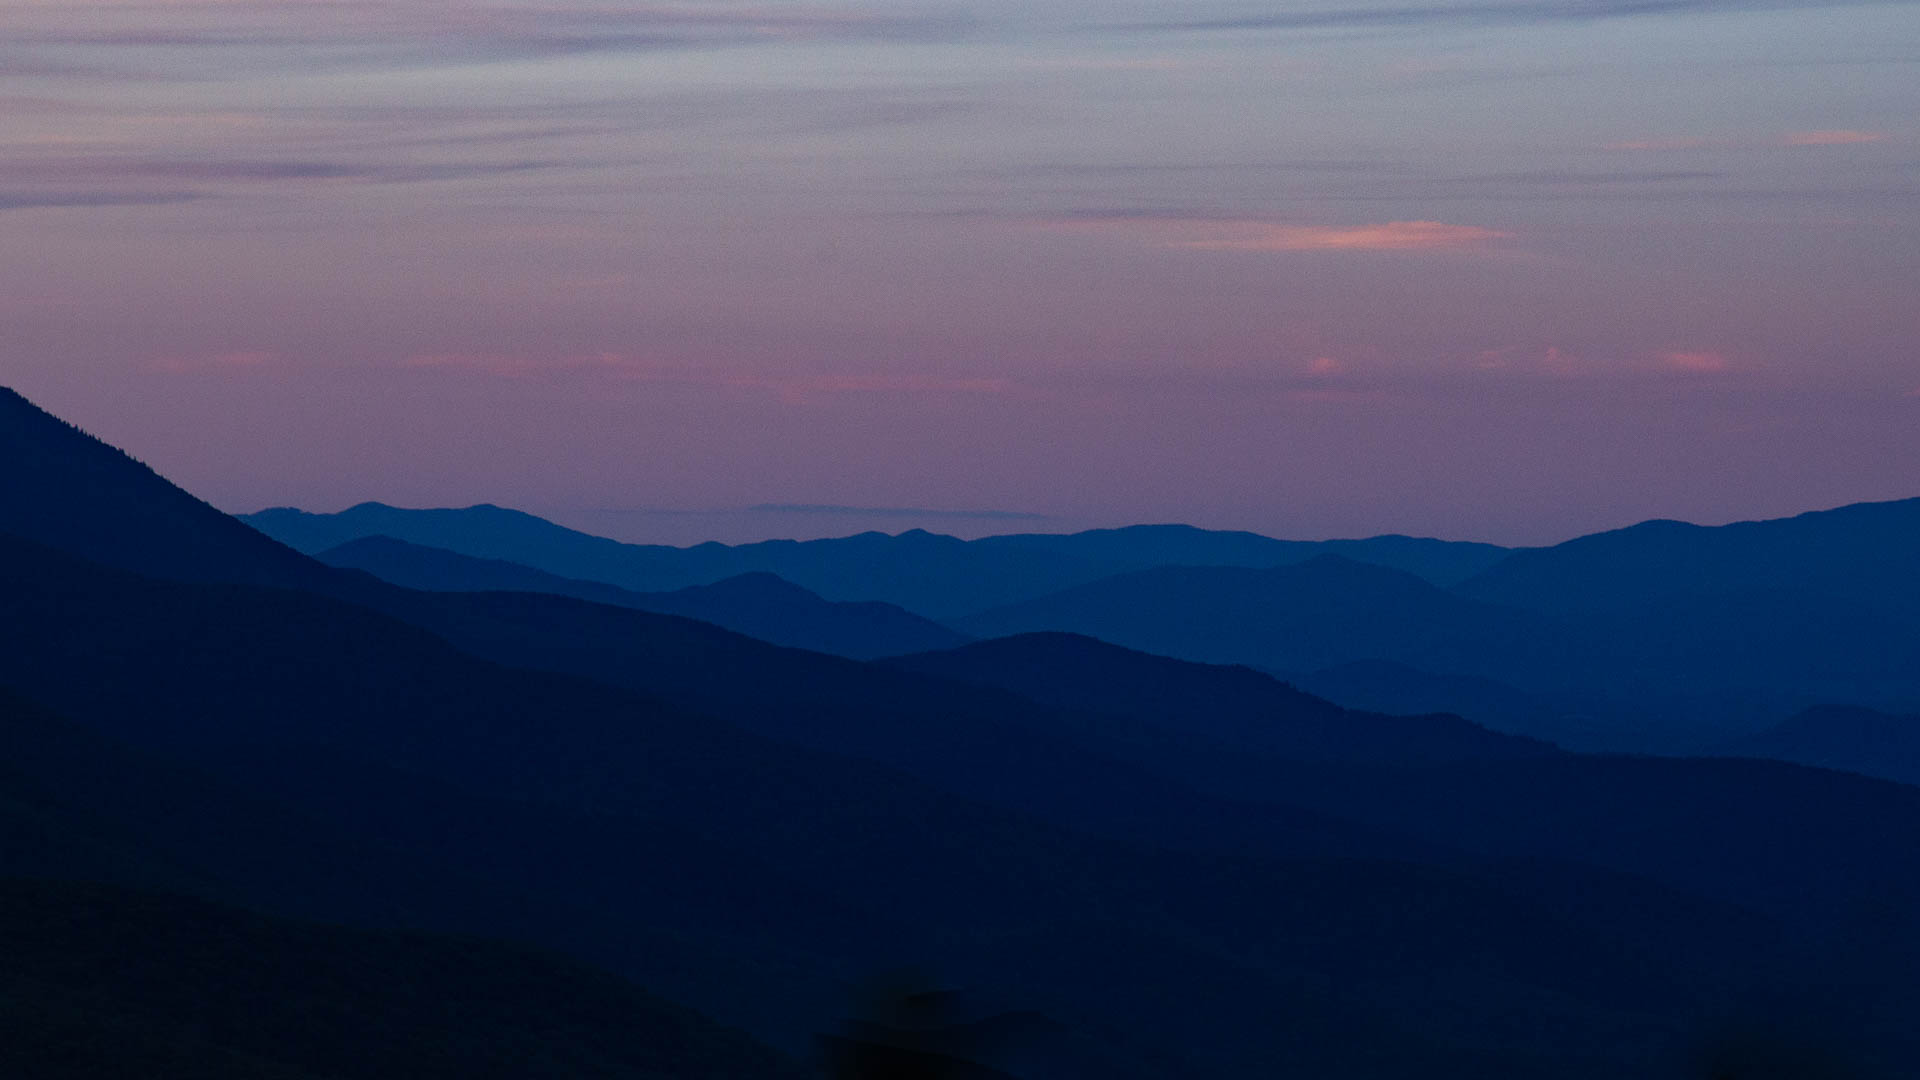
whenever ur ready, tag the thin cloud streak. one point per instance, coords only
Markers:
(836, 510)
(80, 200)
(1416, 16)
(1204, 234)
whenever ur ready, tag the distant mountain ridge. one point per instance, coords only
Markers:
(756, 604)
(926, 573)
(1841, 737)
(1862, 552)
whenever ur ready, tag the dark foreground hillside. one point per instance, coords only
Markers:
(99, 981)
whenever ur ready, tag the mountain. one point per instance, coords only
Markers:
(923, 572)
(1678, 673)
(115, 509)
(1385, 686)
(243, 678)
(99, 981)
(1840, 737)
(744, 826)
(1292, 618)
(1860, 553)
(1442, 562)
(1175, 705)
(758, 605)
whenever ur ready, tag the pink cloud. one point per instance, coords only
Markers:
(793, 388)
(1833, 138)
(1661, 144)
(523, 367)
(1696, 360)
(238, 362)
(1210, 234)
(1325, 365)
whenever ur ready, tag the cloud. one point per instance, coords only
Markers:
(1419, 15)
(236, 362)
(1836, 137)
(109, 169)
(1698, 361)
(1225, 234)
(412, 33)
(791, 388)
(872, 384)
(1554, 177)
(1833, 138)
(1656, 145)
(35, 200)
(893, 511)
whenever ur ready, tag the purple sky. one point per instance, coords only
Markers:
(1469, 268)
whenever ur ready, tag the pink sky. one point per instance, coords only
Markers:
(1478, 271)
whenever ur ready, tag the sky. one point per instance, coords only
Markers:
(1478, 269)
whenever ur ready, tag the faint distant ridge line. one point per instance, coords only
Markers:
(894, 511)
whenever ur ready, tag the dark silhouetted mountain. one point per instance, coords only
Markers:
(758, 605)
(1142, 546)
(1861, 553)
(1680, 673)
(238, 676)
(1385, 686)
(1841, 737)
(1175, 705)
(100, 981)
(67, 490)
(1292, 618)
(923, 572)
(600, 760)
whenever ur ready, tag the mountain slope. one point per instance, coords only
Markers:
(70, 491)
(1682, 672)
(1004, 900)
(492, 729)
(1177, 704)
(102, 981)
(1837, 737)
(1861, 553)
(758, 605)
(1292, 618)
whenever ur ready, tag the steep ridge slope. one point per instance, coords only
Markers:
(68, 490)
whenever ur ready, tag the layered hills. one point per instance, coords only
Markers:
(1193, 870)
